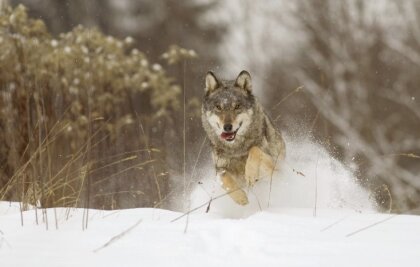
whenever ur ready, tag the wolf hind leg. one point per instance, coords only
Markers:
(258, 165)
(231, 186)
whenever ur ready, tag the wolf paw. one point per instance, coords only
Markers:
(252, 173)
(239, 196)
(230, 184)
(258, 165)
(252, 166)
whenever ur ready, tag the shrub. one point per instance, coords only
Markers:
(82, 116)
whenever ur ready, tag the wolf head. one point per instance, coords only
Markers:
(228, 107)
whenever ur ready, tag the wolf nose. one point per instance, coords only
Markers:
(227, 127)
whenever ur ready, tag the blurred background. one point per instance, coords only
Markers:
(100, 99)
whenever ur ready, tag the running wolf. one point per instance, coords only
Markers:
(245, 145)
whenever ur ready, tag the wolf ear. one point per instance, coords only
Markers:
(211, 82)
(244, 81)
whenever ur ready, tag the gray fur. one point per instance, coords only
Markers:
(221, 101)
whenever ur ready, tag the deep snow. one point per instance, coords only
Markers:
(316, 215)
(275, 237)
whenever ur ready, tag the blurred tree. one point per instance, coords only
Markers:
(363, 90)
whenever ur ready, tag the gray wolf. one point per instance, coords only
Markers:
(245, 144)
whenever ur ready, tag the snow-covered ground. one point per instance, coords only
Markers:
(316, 215)
(275, 237)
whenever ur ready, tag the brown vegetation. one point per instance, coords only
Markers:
(81, 117)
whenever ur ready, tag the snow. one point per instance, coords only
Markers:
(309, 177)
(317, 215)
(274, 237)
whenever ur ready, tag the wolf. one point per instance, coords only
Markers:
(245, 145)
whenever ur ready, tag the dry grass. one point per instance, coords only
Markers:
(68, 110)
(67, 186)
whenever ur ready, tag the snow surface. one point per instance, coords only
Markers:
(274, 237)
(316, 215)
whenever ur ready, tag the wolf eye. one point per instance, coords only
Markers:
(218, 107)
(237, 106)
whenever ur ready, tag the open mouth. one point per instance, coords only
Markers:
(230, 136)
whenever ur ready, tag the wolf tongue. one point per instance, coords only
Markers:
(226, 135)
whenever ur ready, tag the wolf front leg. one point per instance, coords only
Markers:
(231, 186)
(258, 165)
